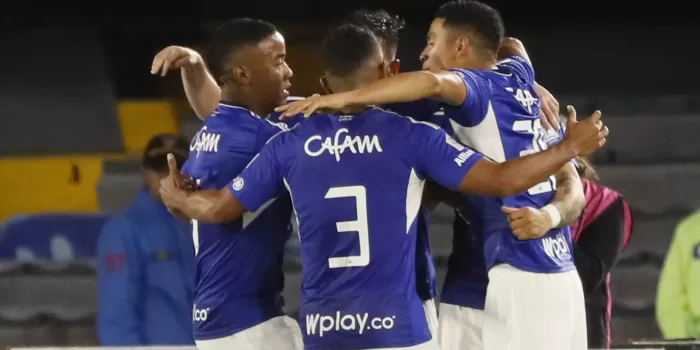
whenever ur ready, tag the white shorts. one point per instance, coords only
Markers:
(534, 311)
(460, 327)
(431, 316)
(279, 333)
(429, 345)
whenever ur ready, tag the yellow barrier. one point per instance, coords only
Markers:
(141, 120)
(49, 184)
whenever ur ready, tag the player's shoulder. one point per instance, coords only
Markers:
(516, 65)
(397, 122)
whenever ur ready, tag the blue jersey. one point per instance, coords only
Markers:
(500, 118)
(239, 264)
(422, 110)
(426, 284)
(291, 121)
(356, 184)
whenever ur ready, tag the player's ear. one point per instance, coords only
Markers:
(395, 67)
(462, 45)
(324, 84)
(241, 75)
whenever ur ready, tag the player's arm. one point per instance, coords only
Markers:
(461, 168)
(119, 285)
(203, 93)
(259, 182)
(207, 206)
(568, 202)
(443, 86)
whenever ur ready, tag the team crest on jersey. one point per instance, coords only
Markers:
(452, 142)
(237, 184)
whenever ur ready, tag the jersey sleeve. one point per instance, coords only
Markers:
(476, 103)
(441, 157)
(519, 66)
(261, 180)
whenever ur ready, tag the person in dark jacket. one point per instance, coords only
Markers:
(600, 234)
(146, 263)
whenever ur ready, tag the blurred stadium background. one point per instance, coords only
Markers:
(77, 106)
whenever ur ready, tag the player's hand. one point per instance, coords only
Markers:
(180, 180)
(528, 222)
(587, 136)
(313, 104)
(174, 57)
(549, 108)
(172, 188)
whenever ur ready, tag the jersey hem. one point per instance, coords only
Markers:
(528, 268)
(229, 331)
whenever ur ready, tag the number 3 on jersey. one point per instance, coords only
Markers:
(360, 226)
(534, 127)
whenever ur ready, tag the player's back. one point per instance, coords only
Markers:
(239, 264)
(356, 194)
(500, 118)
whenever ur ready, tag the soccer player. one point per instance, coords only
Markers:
(356, 181)
(491, 106)
(239, 280)
(386, 28)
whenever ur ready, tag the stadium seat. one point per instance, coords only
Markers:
(658, 188)
(632, 105)
(49, 184)
(45, 110)
(652, 234)
(61, 237)
(627, 328)
(119, 184)
(47, 304)
(651, 138)
(69, 291)
(635, 286)
(140, 120)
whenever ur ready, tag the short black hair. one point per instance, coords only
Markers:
(346, 48)
(155, 155)
(381, 23)
(231, 37)
(483, 19)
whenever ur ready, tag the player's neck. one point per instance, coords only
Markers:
(477, 62)
(344, 85)
(239, 98)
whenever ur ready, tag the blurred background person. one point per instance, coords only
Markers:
(600, 234)
(678, 294)
(145, 260)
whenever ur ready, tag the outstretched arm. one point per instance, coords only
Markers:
(518, 174)
(444, 86)
(208, 206)
(203, 93)
(259, 182)
(458, 167)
